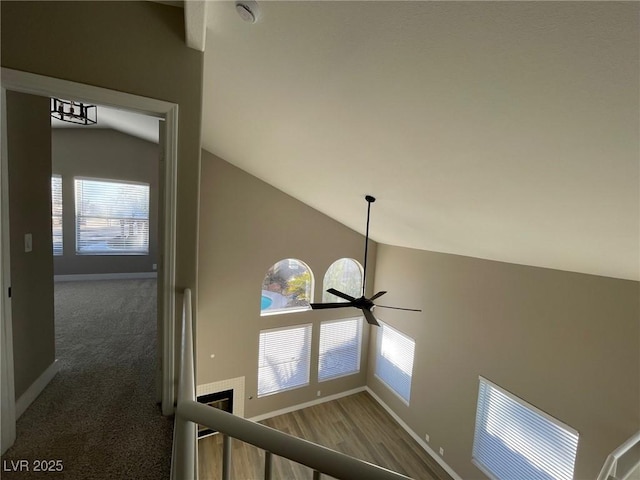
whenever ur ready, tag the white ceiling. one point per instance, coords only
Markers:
(502, 130)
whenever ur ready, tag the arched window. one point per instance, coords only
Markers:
(287, 287)
(344, 275)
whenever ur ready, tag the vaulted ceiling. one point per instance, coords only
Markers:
(500, 130)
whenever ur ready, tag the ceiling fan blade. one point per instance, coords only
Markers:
(338, 293)
(377, 295)
(320, 306)
(368, 315)
(399, 308)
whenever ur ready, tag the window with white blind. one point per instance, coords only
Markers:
(56, 213)
(284, 359)
(513, 439)
(394, 360)
(340, 343)
(111, 217)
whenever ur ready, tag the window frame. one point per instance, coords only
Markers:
(521, 403)
(308, 330)
(77, 217)
(359, 321)
(294, 309)
(327, 297)
(378, 355)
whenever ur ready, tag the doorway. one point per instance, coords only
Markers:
(168, 127)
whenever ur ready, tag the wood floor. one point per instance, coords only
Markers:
(355, 425)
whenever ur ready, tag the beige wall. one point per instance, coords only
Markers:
(110, 155)
(567, 343)
(133, 47)
(29, 152)
(245, 227)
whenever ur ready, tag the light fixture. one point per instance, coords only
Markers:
(74, 112)
(248, 10)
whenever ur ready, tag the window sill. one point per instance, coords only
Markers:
(268, 313)
(111, 254)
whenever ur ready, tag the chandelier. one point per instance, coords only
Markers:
(74, 112)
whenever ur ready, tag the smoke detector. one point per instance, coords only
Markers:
(248, 10)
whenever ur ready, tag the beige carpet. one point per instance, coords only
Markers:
(98, 415)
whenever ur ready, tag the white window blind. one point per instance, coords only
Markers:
(340, 343)
(394, 360)
(515, 440)
(56, 213)
(284, 359)
(111, 217)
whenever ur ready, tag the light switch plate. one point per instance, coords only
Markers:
(28, 242)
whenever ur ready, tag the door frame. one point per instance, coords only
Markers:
(167, 112)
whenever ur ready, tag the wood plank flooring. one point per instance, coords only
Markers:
(356, 425)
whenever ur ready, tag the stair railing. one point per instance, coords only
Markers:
(610, 468)
(184, 458)
(189, 412)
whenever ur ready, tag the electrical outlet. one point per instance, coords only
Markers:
(426, 437)
(319, 393)
(154, 266)
(28, 243)
(441, 452)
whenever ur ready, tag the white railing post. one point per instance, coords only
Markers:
(635, 469)
(226, 457)
(268, 465)
(184, 465)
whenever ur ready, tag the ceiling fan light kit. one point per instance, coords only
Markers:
(363, 303)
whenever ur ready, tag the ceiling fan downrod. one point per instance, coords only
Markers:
(369, 200)
(363, 303)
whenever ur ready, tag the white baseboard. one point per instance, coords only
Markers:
(300, 406)
(36, 388)
(415, 436)
(104, 276)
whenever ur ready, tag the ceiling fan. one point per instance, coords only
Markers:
(362, 303)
